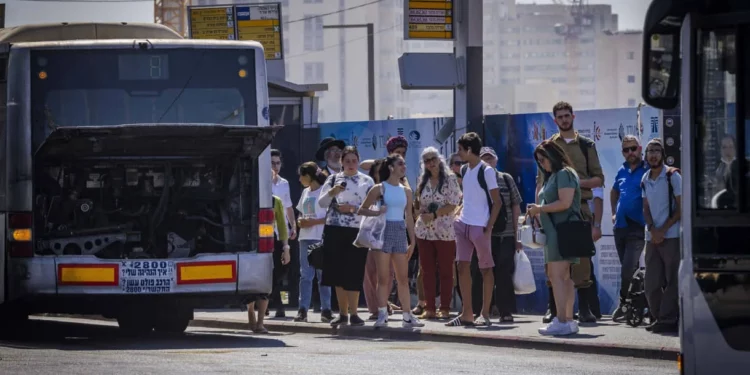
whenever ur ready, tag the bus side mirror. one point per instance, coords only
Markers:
(661, 69)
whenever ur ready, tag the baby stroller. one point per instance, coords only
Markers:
(636, 305)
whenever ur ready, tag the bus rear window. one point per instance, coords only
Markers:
(114, 87)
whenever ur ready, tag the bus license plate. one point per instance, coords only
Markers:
(147, 276)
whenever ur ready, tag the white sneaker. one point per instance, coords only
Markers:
(413, 322)
(382, 320)
(573, 326)
(556, 329)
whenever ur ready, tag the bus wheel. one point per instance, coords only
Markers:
(134, 325)
(171, 325)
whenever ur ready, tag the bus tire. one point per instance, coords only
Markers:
(171, 325)
(134, 325)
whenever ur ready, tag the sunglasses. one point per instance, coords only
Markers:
(459, 163)
(429, 160)
(625, 150)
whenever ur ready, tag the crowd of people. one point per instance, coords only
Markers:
(462, 219)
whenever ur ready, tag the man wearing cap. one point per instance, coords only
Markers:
(504, 244)
(662, 196)
(330, 152)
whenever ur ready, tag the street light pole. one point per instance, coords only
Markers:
(370, 60)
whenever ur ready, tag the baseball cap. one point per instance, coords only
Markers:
(487, 151)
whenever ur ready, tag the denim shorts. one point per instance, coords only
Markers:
(395, 241)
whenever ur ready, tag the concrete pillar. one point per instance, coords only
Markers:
(468, 100)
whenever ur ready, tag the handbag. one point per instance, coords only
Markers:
(371, 233)
(315, 255)
(574, 238)
(531, 234)
(315, 251)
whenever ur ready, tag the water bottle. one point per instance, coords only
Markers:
(284, 298)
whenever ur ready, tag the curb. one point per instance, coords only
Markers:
(467, 337)
(390, 333)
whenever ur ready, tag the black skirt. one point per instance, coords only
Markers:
(344, 263)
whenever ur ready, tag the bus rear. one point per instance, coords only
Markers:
(137, 178)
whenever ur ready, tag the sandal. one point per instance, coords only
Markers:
(444, 314)
(419, 310)
(260, 329)
(428, 314)
(482, 321)
(457, 322)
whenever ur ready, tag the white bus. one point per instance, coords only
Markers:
(696, 56)
(135, 173)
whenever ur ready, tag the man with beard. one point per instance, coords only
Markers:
(627, 207)
(330, 152)
(582, 153)
(662, 196)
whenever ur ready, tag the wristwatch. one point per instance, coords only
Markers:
(597, 225)
(286, 247)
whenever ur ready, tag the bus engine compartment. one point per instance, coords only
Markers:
(141, 209)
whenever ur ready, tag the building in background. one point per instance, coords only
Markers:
(529, 64)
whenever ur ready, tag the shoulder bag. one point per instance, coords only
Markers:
(315, 251)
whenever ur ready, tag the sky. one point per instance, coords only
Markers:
(18, 12)
(631, 13)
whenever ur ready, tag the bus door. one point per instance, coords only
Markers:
(715, 269)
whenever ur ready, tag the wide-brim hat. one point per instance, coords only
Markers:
(327, 143)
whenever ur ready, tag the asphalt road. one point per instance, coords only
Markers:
(71, 346)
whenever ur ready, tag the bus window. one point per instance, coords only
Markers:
(745, 87)
(716, 149)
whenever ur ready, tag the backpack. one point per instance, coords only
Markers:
(670, 194)
(502, 219)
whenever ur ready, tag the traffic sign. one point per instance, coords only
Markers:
(429, 19)
(257, 22)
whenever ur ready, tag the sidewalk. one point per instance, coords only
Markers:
(604, 337)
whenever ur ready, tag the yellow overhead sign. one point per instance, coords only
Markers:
(258, 22)
(262, 23)
(429, 19)
(212, 23)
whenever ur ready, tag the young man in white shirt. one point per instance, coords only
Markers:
(280, 188)
(481, 206)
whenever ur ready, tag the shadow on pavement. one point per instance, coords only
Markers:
(47, 334)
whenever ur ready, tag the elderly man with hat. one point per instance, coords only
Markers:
(330, 152)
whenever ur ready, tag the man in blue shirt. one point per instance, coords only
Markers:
(627, 206)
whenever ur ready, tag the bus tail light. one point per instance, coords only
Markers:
(20, 235)
(265, 230)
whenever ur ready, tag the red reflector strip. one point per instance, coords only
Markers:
(20, 250)
(265, 216)
(19, 220)
(88, 274)
(265, 245)
(216, 272)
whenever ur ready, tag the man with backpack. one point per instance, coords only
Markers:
(662, 197)
(473, 229)
(503, 241)
(585, 159)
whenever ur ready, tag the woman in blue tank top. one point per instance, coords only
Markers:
(397, 208)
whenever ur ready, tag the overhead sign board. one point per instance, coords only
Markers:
(262, 23)
(212, 23)
(429, 19)
(258, 22)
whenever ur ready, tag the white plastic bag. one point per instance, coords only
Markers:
(371, 231)
(523, 278)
